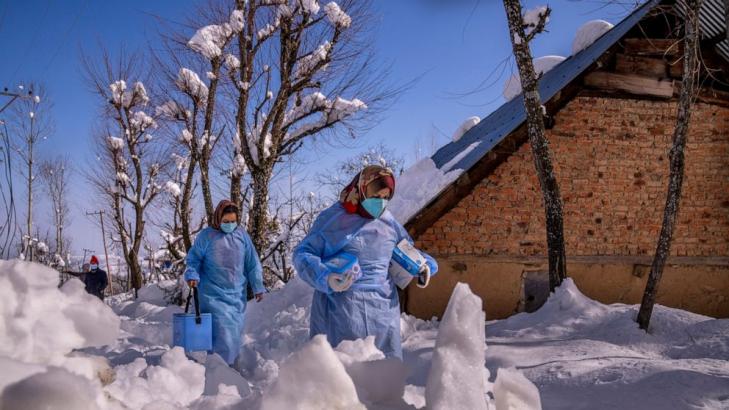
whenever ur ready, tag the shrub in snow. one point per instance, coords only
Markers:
(40, 323)
(312, 378)
(588, 33)
(469, 123)
(513, 391)
(512, 87)
(458, 378)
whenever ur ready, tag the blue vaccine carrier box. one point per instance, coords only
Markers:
(405, 263)
(343, 262)
(193, 331)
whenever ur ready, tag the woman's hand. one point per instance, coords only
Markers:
(259, 297)
(424, 276)
(192, 283)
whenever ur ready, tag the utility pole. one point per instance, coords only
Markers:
(86, 250)
(13, 96)
(106, 252)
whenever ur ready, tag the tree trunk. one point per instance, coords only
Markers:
(206, 147)
(675, 179)
(185, 209)
(137, 276)
(258, 214)
(540, 146)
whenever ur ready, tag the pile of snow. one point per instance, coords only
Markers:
(469, 123)
(177, 381)
(417, 186)
(41, 323)
(584, 354)
(63, 347)
(512, 87)
(458, 378)
(588, 33)
(313, 378)
(513, 391)
(40, 326)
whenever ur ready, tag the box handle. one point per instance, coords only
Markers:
(193, 293)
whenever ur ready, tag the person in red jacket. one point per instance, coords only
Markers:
(95, 279)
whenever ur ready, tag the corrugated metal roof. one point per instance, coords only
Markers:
(507, 118)
(712, 18)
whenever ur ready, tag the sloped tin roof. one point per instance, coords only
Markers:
(507, 118)
(713, 19)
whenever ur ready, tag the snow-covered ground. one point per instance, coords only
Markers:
(66, 348)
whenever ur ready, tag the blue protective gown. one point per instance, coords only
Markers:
(371, 306)
(224, 264)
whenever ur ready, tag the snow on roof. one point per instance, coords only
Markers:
(512, 86)
(424, 181)
(588, 33)
(469, 123)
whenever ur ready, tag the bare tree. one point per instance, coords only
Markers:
(522, 30)
(675, 180)
(130, 162)
(30, 124)
(192, 109)
(56, 175)
(276, 74)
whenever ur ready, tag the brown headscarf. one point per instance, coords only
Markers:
(220, 211)
(354, 193)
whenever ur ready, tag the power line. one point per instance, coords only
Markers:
(65, 36)
(33, 39)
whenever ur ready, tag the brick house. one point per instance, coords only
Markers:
(611, 111)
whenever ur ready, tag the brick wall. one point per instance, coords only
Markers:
(612, 166)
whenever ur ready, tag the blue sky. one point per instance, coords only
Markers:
(450, 46)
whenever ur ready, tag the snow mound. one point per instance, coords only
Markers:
(566, 312)
(380, 382)
(177, 381)
(512, 87)
(40, 323)
(280, 323)
(513, 391)
(588, 33)
(312, 378)
(458, 378)
(54, 389)
(417, 186)
(469, 123)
